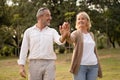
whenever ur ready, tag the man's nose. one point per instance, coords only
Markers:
(50, 17)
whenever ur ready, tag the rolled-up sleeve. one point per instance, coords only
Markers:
(24, 49)
(57, 38)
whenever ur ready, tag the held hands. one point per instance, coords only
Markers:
(65, 30)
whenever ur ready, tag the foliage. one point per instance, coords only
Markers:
(61, 49)
(15, 18)
(108, 19)
(6, 51)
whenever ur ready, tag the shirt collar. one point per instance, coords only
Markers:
(45, 28)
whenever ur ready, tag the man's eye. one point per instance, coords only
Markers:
(47, 15)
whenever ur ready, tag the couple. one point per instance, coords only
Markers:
(39, 39)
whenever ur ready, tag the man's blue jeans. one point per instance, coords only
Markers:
(87, 72)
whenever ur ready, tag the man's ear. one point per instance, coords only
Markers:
(39, 17)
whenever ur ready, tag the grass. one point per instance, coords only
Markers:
(110, 61)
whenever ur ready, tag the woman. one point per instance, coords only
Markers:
(85, 62)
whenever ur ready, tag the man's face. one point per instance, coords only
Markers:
(46, 18)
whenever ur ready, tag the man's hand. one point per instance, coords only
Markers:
(64, 31)
(22, 71)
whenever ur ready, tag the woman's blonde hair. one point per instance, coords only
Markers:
(86, 16)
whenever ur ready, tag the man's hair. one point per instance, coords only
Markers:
(41, 11)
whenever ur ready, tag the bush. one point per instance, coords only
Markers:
(61, 49)
(6, 50)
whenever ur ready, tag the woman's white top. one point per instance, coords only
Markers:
(88, 57)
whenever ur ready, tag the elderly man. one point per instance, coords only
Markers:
(38, 40)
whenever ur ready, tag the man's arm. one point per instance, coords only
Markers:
(23, 54)
(64, 35)
(64, 31)
(62, 39)
(58, 39)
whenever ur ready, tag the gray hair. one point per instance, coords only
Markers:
(41, 11)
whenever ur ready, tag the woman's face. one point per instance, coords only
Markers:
(81, 21)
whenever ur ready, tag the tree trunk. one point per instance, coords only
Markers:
(112, 42)
(118, 43)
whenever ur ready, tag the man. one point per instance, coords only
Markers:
(38, 40)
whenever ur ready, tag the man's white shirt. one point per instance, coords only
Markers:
(39, 44)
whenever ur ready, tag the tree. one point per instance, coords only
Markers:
(4, 13)
(105, 17)
(24, 14)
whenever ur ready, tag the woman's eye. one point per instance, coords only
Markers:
(83, 18)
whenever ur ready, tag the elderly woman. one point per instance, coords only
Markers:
(85, 63)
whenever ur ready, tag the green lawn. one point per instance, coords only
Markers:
(110, 61)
